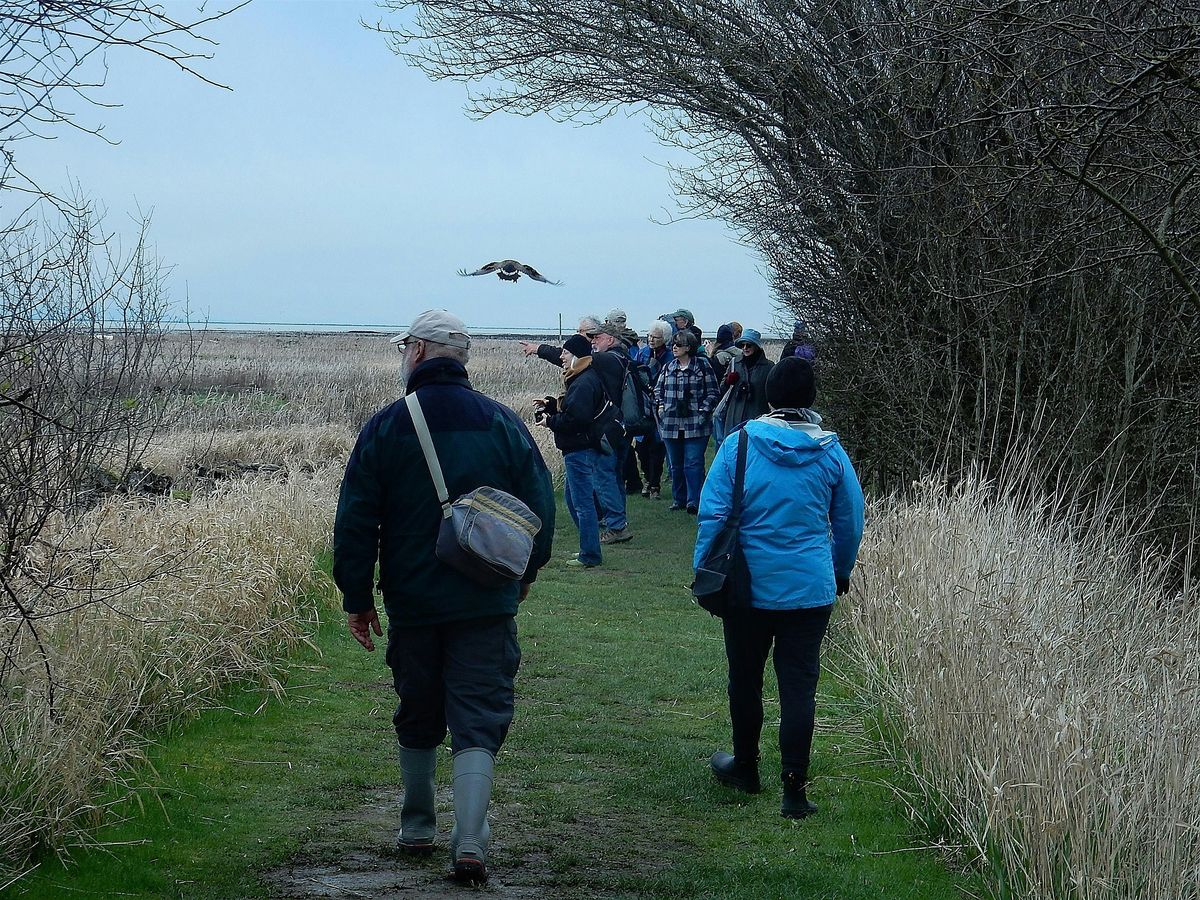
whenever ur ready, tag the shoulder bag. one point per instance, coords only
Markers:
(722, 581)
(486, 534)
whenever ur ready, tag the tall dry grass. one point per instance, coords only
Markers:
(154, 609)
(1040, 681)
(293, 384)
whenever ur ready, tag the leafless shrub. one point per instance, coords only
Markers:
(985, 211)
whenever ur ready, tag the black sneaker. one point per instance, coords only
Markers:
(693, 511)
(674, 506)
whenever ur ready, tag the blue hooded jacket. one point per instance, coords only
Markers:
(802, 512)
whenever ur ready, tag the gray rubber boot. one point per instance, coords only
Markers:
(472, 794)
(418, 817)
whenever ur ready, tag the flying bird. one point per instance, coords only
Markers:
(509, 270)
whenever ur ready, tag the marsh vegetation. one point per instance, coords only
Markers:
(1031, 665)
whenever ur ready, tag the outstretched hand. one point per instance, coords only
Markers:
(362, 624)
(528, 347)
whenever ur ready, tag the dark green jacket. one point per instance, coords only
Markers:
(748, 394)
(388, 508)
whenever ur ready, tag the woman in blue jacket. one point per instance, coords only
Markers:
(802, 521)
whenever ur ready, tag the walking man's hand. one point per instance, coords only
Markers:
(362, 624)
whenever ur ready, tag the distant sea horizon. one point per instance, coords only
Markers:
(498, 331)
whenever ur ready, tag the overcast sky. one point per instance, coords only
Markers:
(335, 184)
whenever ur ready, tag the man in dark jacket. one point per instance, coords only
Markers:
(578, 421)
(611, 361)
(452, 643)
(745, 384)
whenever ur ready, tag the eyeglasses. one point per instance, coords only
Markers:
(404, 345)
(680, 344)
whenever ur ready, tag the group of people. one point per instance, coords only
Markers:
(700, 390)
(452, 643)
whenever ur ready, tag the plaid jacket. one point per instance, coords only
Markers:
(684, 399)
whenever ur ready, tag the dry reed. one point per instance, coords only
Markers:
(153, 609)
(1039, 681)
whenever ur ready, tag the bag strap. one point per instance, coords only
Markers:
(431, 459)
(624, 374)
(739, 478)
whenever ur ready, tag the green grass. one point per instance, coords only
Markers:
(601, 788)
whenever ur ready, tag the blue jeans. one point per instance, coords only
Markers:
(685, 456)
(583, 470)
(610, 485)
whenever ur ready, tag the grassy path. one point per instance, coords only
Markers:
(602, 788)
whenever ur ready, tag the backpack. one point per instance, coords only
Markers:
(637, 404)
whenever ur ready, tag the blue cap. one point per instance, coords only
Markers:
(750, 336)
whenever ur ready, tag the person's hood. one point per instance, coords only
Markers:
(791, 444)
(579, 365)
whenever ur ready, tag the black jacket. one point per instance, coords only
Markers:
(748, 394)
(388, 509)
(579, 422)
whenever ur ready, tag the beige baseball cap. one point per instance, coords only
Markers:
(438, 326)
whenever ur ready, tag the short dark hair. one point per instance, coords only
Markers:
(687, 338)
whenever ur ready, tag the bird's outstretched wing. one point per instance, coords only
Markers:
(536, 275)
(487, 269)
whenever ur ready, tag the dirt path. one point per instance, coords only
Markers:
(527, 859)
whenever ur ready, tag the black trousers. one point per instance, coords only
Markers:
(796, 635)
(629, 472)
(456, 676)
(652, 453)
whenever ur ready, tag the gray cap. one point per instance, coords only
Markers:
(438, 326)
(610, 329)
(616, 317)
